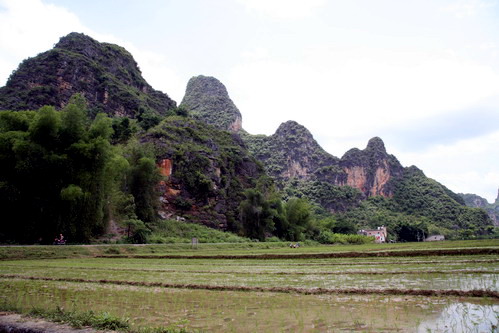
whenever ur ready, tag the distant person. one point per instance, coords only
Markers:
(59, 240)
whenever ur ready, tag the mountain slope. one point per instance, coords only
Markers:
(105, 74)
(372, 169)
(206, 171)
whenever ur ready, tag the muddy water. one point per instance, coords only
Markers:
(259, 312)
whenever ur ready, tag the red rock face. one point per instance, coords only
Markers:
(357, 177)
(295, 170)
(166, 167)
(381, 177)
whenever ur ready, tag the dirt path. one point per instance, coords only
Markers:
(15, 323)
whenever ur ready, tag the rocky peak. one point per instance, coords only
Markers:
(291, 152)
(208, 100)
(80, 43)
(106, 74)
(292, 131)
(376, 145)
(473, 200)
(370, 170)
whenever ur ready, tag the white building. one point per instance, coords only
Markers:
(380, 234)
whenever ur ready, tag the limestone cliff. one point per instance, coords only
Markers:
(207, 99)
(106, 74)
(291, 152)
(370, 170)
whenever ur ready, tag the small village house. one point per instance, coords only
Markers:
(434, 238)
(380, 234)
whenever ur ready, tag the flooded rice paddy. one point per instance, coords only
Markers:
(107, 285)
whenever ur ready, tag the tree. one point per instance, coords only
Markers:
(143, 185)
(54, 173)
(256, 215)
(299, 218)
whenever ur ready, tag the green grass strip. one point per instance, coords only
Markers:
(411, 253)
(77, 320)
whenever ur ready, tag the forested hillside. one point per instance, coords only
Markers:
(105, 74)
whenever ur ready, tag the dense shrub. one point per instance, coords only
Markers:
(328, 237)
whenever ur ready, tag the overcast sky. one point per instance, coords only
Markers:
(422, 75)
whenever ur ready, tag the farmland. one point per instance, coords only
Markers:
(441, 287)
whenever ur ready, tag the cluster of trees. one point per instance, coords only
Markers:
(264, 214)
(59, 173)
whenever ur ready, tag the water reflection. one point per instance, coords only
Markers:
(464, 317)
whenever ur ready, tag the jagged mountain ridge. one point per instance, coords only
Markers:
(292, 152)
(105, 74)
(301, 167)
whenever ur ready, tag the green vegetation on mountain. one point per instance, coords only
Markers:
(211, 169)
(106, 74)
(293, 152)
(473, 200)
(420, 207)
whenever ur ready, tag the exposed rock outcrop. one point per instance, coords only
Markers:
(105, 74)
(207, 99)
(370, 170)
(292, 152)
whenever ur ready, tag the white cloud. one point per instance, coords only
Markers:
(467, 166)
(255, 54)
(468, 8)
(284, 9)
(347, 93)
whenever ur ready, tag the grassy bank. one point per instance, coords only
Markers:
(224, 249)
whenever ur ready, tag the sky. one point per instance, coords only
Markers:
(422, 75)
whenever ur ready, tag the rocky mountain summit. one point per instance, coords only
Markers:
(207, 99)
(105, 74)
(370, 170)
(473, 200)
(291, 152)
